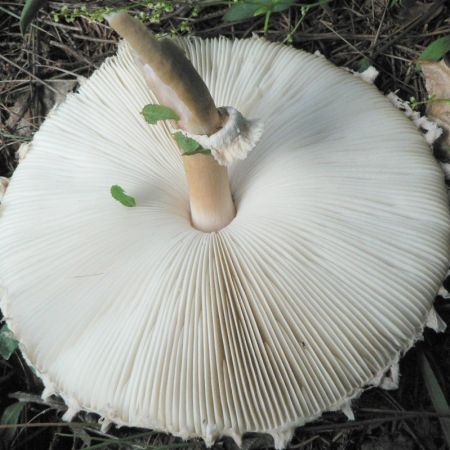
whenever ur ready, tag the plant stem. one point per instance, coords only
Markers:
(304, 11)
(266, 22)
(429, 101)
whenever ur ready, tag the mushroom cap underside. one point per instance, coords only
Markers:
(326, 274)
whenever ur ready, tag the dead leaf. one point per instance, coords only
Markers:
(20, 119)
(437, 81)
(396, 441)
(423, 12)
(52, 98)
(3, 185)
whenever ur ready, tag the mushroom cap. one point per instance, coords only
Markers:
(325, 276)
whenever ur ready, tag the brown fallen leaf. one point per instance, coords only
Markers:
(437, 82)
(20, 119)
(422, 12)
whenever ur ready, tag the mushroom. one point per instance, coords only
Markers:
(322, 278)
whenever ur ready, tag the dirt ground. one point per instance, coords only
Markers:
(66, 42)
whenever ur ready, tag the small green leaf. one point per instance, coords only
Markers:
(29, 12)
(188, 145)
(12, 413)
(436, 50)
(363, 64)
(436, 394)
(242, 11)
(153, 113)
(11, 416)
(247, 9)
(8, 344)
(259, 11)
(281, 5)
(118, 194)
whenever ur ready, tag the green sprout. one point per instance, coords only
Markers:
(428, 101)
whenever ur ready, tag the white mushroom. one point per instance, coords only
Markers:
(324, 277)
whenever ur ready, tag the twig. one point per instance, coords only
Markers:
(21, 69)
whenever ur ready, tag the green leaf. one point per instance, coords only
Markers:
(247, 9)
(12, 413)
(242, 11)
(29, 12)
(436, 395)
(259, 11)
(11, 416)
(153, 113)
(118, 194)
(363, 64)
(281, 5)
(188, 145)
(8, 344)
(436, 50)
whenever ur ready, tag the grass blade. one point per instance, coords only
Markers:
(29, 12)
(11, 416)
(436, 395)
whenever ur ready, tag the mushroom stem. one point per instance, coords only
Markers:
(211, 204)
(176, 84)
